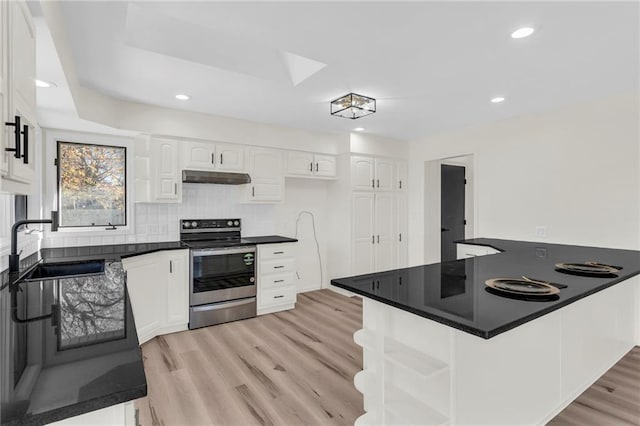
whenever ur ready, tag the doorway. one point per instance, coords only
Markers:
(452, 209)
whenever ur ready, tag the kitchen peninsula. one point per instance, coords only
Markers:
(476, 357)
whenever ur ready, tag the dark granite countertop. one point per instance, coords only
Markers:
(269, 239)
(114, 251)
(84, 358)
(454, 293)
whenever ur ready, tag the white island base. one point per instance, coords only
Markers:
(420, 372)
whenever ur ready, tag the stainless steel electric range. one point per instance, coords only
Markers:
(222, 271)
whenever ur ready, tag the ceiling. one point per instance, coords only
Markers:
(433, 66)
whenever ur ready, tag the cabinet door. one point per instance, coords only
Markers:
(363, 233)
(177, 265)
(198, 156)
(385, 219)
(300, 163)
(402, 228)
(4, 87)
(146, 282)
(385, 177)
(231, 158)
(401, 175)
(267, 175)
(325, 165)
(362, 176)
(23, 57)
(165, 160)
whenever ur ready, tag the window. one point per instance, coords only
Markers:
(91, 185)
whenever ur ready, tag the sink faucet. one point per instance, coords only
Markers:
(14, 257)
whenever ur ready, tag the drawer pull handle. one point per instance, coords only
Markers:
(278, 252)
(278, 281)
(278, 267)
(277, 297)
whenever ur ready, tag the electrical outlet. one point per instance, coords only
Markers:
(541, 231)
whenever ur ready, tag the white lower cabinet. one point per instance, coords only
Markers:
(276, 277)
(158, 286)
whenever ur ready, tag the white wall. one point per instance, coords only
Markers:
(575, 170)
(363, 143)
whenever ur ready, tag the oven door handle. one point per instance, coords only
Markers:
(222, 251)
(223, 305)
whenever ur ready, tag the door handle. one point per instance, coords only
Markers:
(16, 134)
(373, 183)
(278, 252)
(278, 281)
(311, 166)
(213, 158)
(316, 167)
(175, 188)
(378, 181)
(378, 239)
(171, 266)
(400, 237)
(253, 191)
(25, 142)
(221, 159)
(373, 239)
(278, 267)
(444, 229)
(278, 297)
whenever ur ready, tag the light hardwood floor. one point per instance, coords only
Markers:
(297, 367)
(290, 368)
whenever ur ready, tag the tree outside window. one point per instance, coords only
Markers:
(91, 185)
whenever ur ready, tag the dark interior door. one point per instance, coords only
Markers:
(452, 209)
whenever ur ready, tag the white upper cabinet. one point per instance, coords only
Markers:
(167, 176)
(231, 158)
(18, 97)
(266, 168)
(300, 163)
(198, 156)
(157, 174)
(325, 165)
(385, 176)
(362, 173)
(210, 156)
(311, 165)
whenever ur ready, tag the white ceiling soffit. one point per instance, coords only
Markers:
(432, 66)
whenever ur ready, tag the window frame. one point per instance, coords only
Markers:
(87, 235)
(58, 193)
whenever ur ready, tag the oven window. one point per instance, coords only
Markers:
(220, 272)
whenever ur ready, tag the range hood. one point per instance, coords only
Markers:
(198, 176)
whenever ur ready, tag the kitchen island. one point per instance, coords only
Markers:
(439, 348)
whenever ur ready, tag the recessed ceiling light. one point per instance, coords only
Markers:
(522, 32)
(497, 99)
(183, 97)
(358, 129)
(45, 84)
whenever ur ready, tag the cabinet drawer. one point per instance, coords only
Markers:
(277, 296)
(278, 266)
(276, 280)
(275, 251)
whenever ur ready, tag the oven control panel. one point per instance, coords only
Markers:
(210, 224)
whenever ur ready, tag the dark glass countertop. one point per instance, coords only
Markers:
(84, 358)
(454, 293)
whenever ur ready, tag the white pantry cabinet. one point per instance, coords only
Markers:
(158, 286)
(372, 174)
(212, 157)
(157, 175)
(276, 277)
(374, 232)
(18, 97)
(306, 164)
(266, 168)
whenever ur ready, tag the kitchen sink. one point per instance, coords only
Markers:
(56, 271)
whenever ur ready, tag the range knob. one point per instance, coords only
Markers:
(236, 223)
(194, 224)
(230, 223)
(186, 224)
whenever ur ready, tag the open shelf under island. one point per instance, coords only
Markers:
(440, 349)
